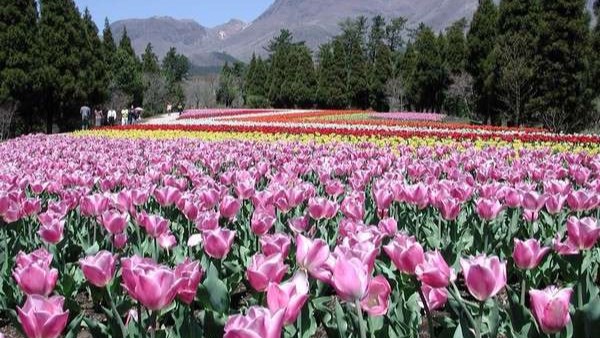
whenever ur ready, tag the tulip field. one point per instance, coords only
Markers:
(268, 224)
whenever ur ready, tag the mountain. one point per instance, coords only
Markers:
(313, 21)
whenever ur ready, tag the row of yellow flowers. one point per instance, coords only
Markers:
(387, 141)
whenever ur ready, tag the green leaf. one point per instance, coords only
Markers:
(92, 250)
(215, 291)
(342, 325)
(74, 327)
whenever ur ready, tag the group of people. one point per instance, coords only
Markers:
(109, 117)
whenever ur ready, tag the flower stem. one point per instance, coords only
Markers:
(480, 326)
(361, 322)
(523, 290)
(427, 313)
(116, 313)
(456, 295)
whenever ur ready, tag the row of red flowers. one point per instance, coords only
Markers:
(455, 135)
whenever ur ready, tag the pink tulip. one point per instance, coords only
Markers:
(484, 276)
(582, 234)
(321, 208)
(299, 224)
(154, 286)
(582, 200)
(154, 225)
(449, 208)
(120, 240)
(405, 252)
(53, 232)
(191, 274)
(555, 204)
(353, 207)
(99, 269)
(208, 220)
(257, 323)
(388, 226)
(383, 198)
(229, 207)
(264, 270)
(167, 196)
(277, 243)
(533, 201)
(291, 296)
(262, 221)
(377, 297)
(350, 278)
(188, 209)
(435, 298)
(551, 308)
(167, 241)
(114, 222)
(434, 271)
(43, 317)
(488, 209)
(33, 273)
(312, 255)
(217, 243)
(94, 205)
(528, 254)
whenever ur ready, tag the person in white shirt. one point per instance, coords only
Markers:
(112, 116)
(124, 116)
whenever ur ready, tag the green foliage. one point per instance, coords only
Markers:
(255, 82)
(456, 47)
(229, 90)
(175, 66)
(331, 89)
(150, 61)
(127, 71)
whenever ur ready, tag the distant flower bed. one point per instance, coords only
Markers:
(209, 113)
(410, 116)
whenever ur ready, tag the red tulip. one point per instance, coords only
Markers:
(43, 317)
(528, 254)
(484, 276)
(33, 273)
(264, 270)
(217, 243)
(191, 274)
(551, 308)
(434, 271)
(99, 269)
(291, 296)
(405, 252)
(257, 323)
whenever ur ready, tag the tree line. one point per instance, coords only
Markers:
(521, 62)
(53, 60)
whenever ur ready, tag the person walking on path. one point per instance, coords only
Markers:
(112, 116)
(124, 116)
(98, 115)
(85, 112)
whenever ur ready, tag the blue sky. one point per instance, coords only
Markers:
(208, 13)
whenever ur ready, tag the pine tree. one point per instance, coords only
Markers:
(380, 74)
(150, 60)
(255, 82)
(563, 46)
(430, 78)
(109, 48)
(95, 75)
(304, 82)
(331, 89)
(518, 24)
(595, 52)
(394, 33)
(456, 47)
(280, 68)
(481, 40)
(407, 65)
(17, 55)
(376, 37)
(128, 71)
(175, 66)
(60, 43)
(356, 65)
(227, 90)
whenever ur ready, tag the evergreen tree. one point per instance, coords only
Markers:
(376, 37)
(430, 77)
(407, 67)
(356, 65)
(255, 94)
(481, 39)
(456, 46)
(518, 25)
(150, 61)
(394, 33)
(303, 78)
(94, 70)
(175, 66)
(331, 88)
(109, 48)
(227, 92)
(18, 55)
(563, 47)
(280, 48)
(127, 72)
(595, 51)
(63, 89)
(380, 74)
